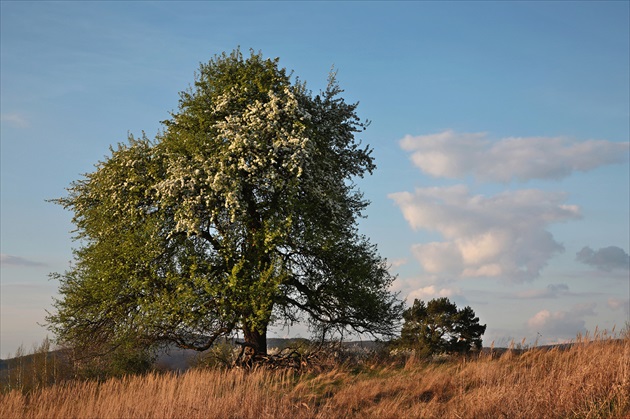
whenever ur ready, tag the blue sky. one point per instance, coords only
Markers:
(500, 131)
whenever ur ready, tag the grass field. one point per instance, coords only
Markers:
(590, 379)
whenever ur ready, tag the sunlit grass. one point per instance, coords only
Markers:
(590, 379)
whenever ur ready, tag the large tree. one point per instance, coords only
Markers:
(241, 213)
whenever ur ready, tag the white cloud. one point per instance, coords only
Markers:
(15, 119)
(455, 155)
(439, 258)
(502, 236)
(430, 292)
(446, 154)
(562, 325)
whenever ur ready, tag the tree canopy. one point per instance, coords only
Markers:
(439, 327)
(240, 214)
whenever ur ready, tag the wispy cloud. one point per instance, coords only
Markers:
(605, 259)
(455, 155)
(502, 236)
(9, 260)
(14, 119)
(397, 263)
(552, 291)
(619, 304)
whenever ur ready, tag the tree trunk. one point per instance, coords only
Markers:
(256, 339)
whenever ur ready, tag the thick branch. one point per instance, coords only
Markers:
(200, 348)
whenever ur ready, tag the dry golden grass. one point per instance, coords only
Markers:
(587, 380)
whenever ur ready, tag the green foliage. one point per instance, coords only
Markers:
(439, 327)
(240, 214)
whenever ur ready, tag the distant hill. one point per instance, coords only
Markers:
(176, 359)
